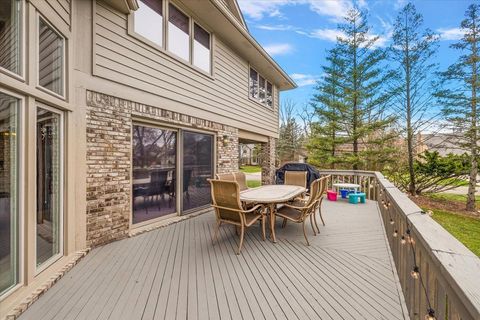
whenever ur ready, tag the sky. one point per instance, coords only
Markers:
(297, 33)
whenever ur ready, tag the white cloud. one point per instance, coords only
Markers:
(399, 4)
(277, 27)
(303, 80)
(278, 49)
(450, 34)
(334, 9)
(326, 34)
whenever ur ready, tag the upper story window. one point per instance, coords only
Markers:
(149, 20)
(185, 38)
(51, 51)
(11, 36)
(178, 33)
(260, 89)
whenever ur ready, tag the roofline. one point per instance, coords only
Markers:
(254, 42)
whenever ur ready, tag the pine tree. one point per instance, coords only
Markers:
(413, 48)
(460, 95)
(362, 75)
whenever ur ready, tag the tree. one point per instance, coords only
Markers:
(460, 95)
(412, 49)
(290, 136)
(359, 112)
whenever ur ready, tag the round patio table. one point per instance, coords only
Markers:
(271, 195)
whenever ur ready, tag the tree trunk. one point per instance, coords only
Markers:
(410, 135)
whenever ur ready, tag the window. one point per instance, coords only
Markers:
(186, 39)
(11, 36)
(9, 214)
(178, 33)
(148, 20)
(260, 89)
(201, 48)
(49, 216)
(50, 58)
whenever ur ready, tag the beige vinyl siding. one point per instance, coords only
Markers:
(62, 8)
(121, 57)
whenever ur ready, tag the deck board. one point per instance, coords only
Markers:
(176, 273)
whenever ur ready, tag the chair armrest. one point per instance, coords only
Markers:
(299, 208)
(253, 209)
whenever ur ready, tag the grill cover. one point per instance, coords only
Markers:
(312, 172)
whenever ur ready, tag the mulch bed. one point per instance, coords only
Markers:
(446, 205)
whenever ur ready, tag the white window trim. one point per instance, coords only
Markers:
(164, 47)
(23, 44)
(64, 60)
(53, 259)
(20, 194)
(257, 100)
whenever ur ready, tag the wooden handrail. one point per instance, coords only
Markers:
(450, 273)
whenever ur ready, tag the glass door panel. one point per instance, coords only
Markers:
(9, 256)
(154, 173)
(197, 168)
(49, 227)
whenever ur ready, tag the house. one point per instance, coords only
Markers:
(113, 115)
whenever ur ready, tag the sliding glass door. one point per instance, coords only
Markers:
(154, 173)
(49, 227)
(9, 213)
(197, 168)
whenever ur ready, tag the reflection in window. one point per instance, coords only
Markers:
(261, 89)
(9, 255)
(253, 83)
(11, 35)
(269, 94)
(201, 48)
(51, 60)
(178, 33)
(197, 168)
(149, 20)
(49, 192)
(154, 167)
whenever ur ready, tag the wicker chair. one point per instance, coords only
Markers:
(241, 179)
(229, 209)
(296, 178)
(225, 176)
(300, 210)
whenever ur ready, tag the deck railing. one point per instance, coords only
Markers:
(435, 270)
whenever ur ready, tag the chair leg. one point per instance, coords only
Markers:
(305, 233)
(315, 220)
(312, 218)
(242, 233)
(215, 233)
(264, 236)
(284, 223)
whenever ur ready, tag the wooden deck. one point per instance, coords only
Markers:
(176, 273)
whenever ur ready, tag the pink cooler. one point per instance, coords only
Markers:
(331, 195)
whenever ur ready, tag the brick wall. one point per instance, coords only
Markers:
(267, 156)
(109, 123)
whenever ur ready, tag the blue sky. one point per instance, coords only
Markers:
(297, 33)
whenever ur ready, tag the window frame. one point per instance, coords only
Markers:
(164, 48)
(190, 33)
(20, 194)
(23, 44)
(257, 100)
(45, 265)
(64, 60)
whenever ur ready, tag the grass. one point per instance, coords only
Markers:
(250, 169)
(451, 197)
(465, 229)
(253, 183)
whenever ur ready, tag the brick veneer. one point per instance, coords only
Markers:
(267, 154)
(109, 125)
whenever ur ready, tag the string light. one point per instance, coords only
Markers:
(391, 221)
(403, 240)
(430, 315)
(415, 273)
(395, 233)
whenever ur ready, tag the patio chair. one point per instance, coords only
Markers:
(299, 211)
(241, 179)
(225, 176)
(318, 205)
(296, 178)
(229, 209)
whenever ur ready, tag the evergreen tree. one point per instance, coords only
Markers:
(413, 48)
(359, 116)
(460, 95)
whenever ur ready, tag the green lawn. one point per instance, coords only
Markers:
(253, 183)
(250, 169)
(451, 197)
(465, 229)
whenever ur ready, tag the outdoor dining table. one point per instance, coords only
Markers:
(271, 195)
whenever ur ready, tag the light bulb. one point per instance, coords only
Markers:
(430, 213)
(391, 221)
(430, 315)
(395, 233)
(403, 241)
(415, 273)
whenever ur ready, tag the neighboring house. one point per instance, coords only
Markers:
(113, 115)
(249, 154)
(443, 143)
